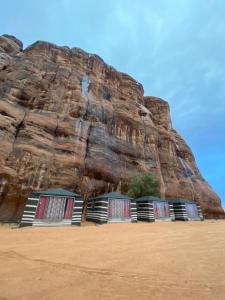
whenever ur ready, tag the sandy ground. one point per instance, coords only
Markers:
(177, 260)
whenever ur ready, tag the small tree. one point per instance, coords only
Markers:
(143, 185)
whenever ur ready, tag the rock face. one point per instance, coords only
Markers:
(67, 119)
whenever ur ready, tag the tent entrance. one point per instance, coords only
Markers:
(161, 210)
(54, 208)
(192, 211)
(119, 210)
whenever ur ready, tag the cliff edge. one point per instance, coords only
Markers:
(67, 119)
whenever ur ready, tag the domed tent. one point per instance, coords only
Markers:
(186, 210)
(53, 207)
(111, 208)
(152, 209)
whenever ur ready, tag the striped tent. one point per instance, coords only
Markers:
(111, 208)
(53, 207)
(186, 210)
(152, 209)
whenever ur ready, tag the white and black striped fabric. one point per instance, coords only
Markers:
(97, 210)
(77, 210)
(29, 211)
(200, 212)
(133, 207)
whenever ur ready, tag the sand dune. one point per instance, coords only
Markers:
(177, 260)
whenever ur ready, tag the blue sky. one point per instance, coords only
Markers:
(175, 48)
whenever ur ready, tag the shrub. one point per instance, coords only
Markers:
(143, 185)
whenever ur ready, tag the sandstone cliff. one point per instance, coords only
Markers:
(67, 119)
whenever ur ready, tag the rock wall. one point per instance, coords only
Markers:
(67, 119)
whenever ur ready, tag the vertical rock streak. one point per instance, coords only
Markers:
(187, 170)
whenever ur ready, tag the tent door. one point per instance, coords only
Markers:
(119, 210)
(192, 211)
(161, 210)
(55, 208)
(51, 208)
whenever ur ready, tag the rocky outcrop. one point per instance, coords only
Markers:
(67, 119)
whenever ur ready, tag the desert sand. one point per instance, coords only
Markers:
(167, 260)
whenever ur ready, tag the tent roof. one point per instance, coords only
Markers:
(150, 198)
(181, 201)
(56, 192)
(112, 195)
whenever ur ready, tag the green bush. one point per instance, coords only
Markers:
(143, 185)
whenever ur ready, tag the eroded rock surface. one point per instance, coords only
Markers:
(67, 119)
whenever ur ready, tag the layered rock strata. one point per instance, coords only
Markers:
(67, 119)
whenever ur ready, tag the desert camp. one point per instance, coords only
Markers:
(112, 139)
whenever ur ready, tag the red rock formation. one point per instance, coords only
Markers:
(69, 120)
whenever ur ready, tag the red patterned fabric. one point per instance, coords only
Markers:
(118, 209)
(192, 210)
(166, 209)
(110, 208)
(126, 208)
(69, 208)
(55, 209)
(161, 210)
(155, 210)
(43, 200)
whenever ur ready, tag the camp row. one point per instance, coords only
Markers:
(59, 207)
